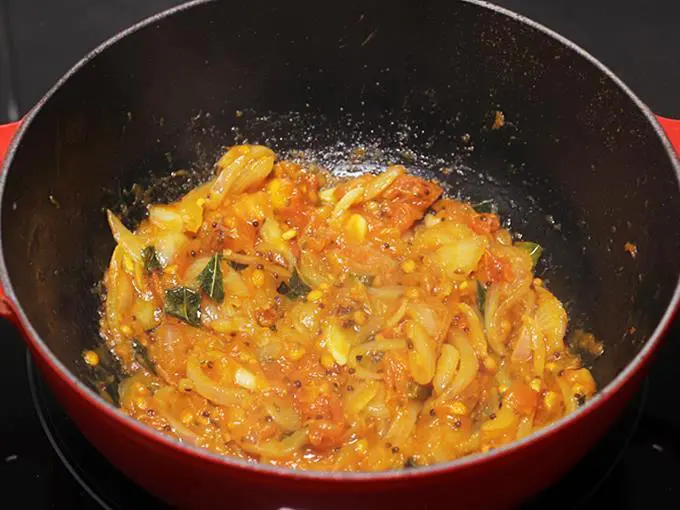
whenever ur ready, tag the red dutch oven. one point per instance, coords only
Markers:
(580, 165)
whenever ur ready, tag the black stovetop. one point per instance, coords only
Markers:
(44, 461)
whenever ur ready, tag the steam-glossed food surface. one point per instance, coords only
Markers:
(279, 314)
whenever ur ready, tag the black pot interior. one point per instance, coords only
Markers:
(577, 166)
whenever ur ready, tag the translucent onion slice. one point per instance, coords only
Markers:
(277, 449)
(404, 422)
(283, 415)
(504, 423)
(383, 181)
(240, 167)
(131, 243)
(422, 360)
(474, 322)
(447, 366)
(362, 395)
(350, 198)
(551, 319)
(469, 365)
(162, 398)
(210, 389)
(499, 299)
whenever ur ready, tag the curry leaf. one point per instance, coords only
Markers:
(211, 280)
(485, 206)
(142, 356)
(150, 259)
(534, 249)
(481, 296)
(295, 288)
(184, 304)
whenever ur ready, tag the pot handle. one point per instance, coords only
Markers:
(672, 129)
(7, 132)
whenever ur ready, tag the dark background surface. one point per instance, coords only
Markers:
(638, 39)
(41, 39)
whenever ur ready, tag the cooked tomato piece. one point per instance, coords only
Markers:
(485, 223)
(493, 269)
(521, 398)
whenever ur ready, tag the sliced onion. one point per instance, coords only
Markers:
(121, 294)
(190, 208)
(392, 292)
(551, 319)
(240, 167)
(426, 317)
(383, 181)
(388, 344)
(312, 270)
(234, 284)
(283, 415)
(461, 257)
(474, 323)
(525, 341)
(132, 244)
(358, 399)
(194, 270)
(166, 218)
(447, 366)
(168, 246)
(525, 426)
(499, 300)
(363, 373)
(350, 198)
(422, 360)
(255, 172)
(505, 421)
(567, 395)
(400, 430)
(211, 390)
(253, 260)
(245, 378)
(538, 346)
(399, 314)
(337, 344)
(162, 397)
(440, 234)
(277, 449)
(468, 368)
(271, 233)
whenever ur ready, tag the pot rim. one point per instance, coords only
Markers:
(201, 454)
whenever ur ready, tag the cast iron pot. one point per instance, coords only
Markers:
(580, 165)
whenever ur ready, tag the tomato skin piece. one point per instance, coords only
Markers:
(492, 269)
(414, 190)
(485, 223)
(403, 203)
(240, 236)
(521, 398)
(455, 211)
(298, 213)
(325, 435)
(302, 201)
